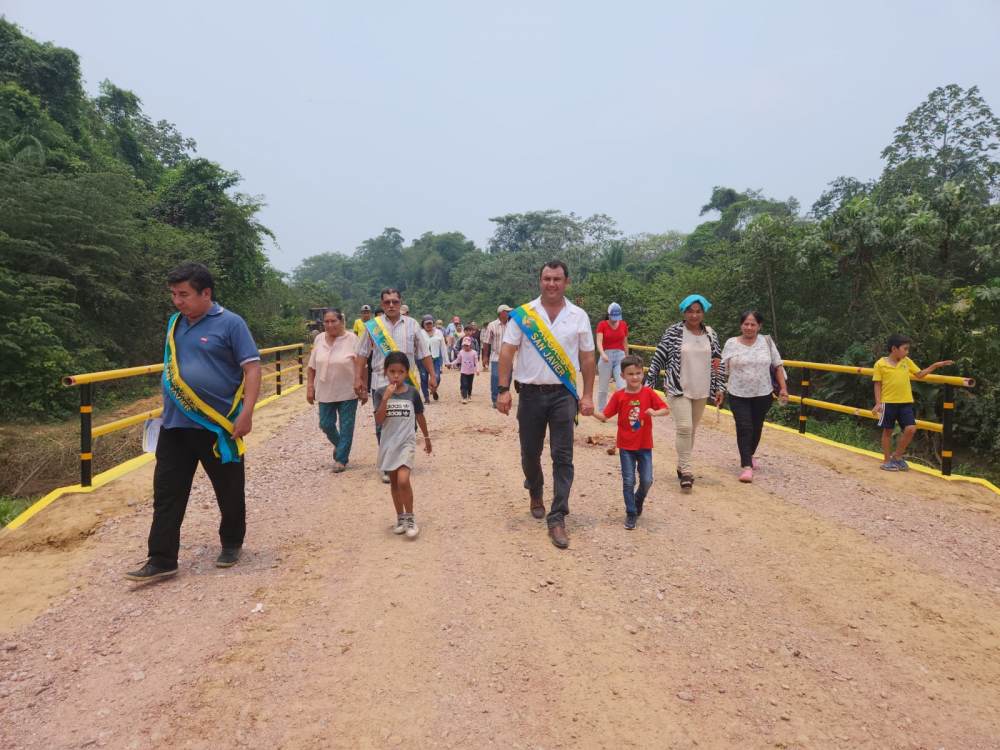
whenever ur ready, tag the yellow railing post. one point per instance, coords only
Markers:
(946, 419)
(301, 370)
(86, 438)
(802, 404)
(277, 368)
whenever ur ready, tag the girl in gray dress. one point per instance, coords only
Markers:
(397, 407)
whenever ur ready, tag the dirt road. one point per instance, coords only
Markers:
(827, 605)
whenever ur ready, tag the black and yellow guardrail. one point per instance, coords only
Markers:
(88, 432)
(949, 382)
(945, 428)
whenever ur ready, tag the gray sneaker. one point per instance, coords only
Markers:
(228, 558)
(149, 573)
(400, 524)
(411, 526)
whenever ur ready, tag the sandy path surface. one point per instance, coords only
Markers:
(826, 605)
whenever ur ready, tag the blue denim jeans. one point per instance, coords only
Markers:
(641, 460)
(495, 380)
(605, 370)
(424, 389)
(342, 439)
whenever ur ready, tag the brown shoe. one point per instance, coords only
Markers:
(558, 536)
(537, 508)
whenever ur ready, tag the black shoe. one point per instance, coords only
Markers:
(435, 396)
(639, 502)
(149, 573)
(630, 521)
(228, 557)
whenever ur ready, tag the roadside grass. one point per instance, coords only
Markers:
(12, 507)
(848, 432)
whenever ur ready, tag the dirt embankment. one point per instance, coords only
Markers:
(826, 605)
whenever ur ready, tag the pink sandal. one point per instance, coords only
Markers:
(747, 476)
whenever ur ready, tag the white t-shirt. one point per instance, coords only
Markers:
(434, 342)
(571, 328)
(749, 367)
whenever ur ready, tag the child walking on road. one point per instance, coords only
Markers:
(894, 398)
(397, 407)
(635, 406)
(468, 360)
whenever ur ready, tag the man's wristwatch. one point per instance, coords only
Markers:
(503, 388)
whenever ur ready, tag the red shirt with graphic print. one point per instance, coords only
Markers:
(635, 427)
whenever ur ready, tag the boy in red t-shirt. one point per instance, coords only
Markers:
(634, 405)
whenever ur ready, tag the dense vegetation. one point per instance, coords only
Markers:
(97, 202)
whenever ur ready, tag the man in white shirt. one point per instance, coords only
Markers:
(492, 343)
(544, 402)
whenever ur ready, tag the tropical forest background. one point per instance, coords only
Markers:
(97, 202)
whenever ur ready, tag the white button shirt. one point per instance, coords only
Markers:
(571, 328)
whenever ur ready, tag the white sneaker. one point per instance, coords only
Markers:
(385, 477)
(411, 526)
(465, 401)
(400, 524)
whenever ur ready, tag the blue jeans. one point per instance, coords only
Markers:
(643, 461)
(605, 370)
(495, 380)
(329, 414)
(424, 378)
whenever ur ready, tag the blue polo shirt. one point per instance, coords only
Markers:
(210, 356)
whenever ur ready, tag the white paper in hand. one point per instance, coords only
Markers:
(151, 434)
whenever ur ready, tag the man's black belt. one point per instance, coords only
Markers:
(547, 388)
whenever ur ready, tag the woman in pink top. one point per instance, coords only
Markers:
(468, 360)
(330, 381)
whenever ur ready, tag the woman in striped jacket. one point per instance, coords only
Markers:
(690, 357)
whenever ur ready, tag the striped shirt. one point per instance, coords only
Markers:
(406, 333)
(493, 335)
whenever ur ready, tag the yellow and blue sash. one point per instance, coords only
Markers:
(229, 450)
(384, 341)
(531, 323)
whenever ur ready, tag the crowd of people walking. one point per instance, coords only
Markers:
(545, 350)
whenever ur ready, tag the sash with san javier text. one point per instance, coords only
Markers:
(229, 450)
(385, 343)
(531, 323)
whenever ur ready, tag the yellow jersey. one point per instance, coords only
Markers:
(359, 328)
(895, 380)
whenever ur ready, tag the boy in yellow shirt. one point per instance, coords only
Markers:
(894, 398)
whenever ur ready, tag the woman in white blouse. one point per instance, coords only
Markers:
(748, 359)
(330, 381)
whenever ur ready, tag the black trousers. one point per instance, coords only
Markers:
(178, 453)
(466, 383)
(749, 415)
(554, 410)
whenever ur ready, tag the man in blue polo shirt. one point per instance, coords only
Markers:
(214, 352)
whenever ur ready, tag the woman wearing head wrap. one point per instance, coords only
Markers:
(690, 357)
(612, 345)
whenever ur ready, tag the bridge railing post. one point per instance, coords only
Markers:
(946, 432)
(86, 438)
(802, 403)
(277, 380)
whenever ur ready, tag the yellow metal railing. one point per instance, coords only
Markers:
(88, 432)
(944, 428)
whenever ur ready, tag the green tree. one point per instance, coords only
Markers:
(951, 137)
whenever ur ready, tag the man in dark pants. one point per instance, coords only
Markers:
(544, 402)
(215, 353)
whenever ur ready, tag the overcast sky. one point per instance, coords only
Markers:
(433, 116)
